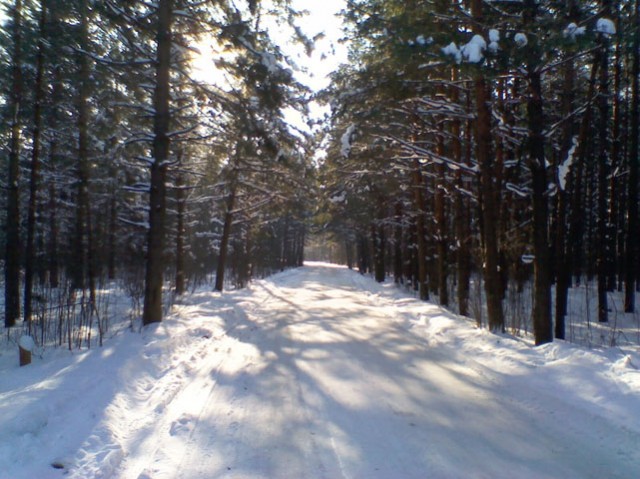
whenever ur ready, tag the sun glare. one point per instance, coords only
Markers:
(203, 67)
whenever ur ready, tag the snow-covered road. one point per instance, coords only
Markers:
(321, 373)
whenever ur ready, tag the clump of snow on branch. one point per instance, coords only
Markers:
(472, 51)
(339, 198)
(494, 38)
(421, 40)
(572, 31)
(520, 39)
(605, 26)
(346, 141)
(270, 62)
(527, 258)
(563, 169)
(452, 51)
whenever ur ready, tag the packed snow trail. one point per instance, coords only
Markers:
(324, 380)
(320, 373)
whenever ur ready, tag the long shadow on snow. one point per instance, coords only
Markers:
(379, 402)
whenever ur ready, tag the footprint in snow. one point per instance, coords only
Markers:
(184, 425)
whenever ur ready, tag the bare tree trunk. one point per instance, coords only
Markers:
(631, 271)
(397, 245)
(161, 143)
(463, 213)
(180, 233)
(488, 193)
(617, 162)
(85, 263)
(12, 245)
(442, 243)
(537, 166)
(224, 241)
(53, 238)
(602, 180)
(421, 246)
(34, 184)
(563, 275)
(378, 239)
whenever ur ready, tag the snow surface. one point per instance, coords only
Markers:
(27, 343)
(319, 372)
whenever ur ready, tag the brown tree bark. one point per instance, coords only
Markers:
(152, 311)
(421, 241)
(463, 213)
(563, 272)
(180, 280)
(488, 192)
(631, 262)
(379, 241)
(537, 166)
(603, 172)
(397, 245)
(226, 235)
(34, 183)
(442, 243)
(12, 244)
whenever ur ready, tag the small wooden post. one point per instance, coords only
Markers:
(26, 346)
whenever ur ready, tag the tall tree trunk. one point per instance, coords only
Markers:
(488, 190)
(85, 262)
(578, 177)
(442, 244)
(12, 245)
(112, 236)
(421, 242)
(286, 245)
(378, 239)
(161, 143)
(563, 260)
(112, 221)
(54, 263)
(563, 275)
(602, 179)
(537, 166)
(348, 247)
(180, 233)
(52, 247)
(617, 162)
(463, 214)
(224, 241)
(631, 271)
(397, 245)
(34, 184)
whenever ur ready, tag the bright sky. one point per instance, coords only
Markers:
(328, 53)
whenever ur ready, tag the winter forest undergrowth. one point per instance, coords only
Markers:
(481, 156)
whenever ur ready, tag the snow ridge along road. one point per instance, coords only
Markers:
(319, 372)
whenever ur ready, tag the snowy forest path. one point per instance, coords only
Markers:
(320, 376)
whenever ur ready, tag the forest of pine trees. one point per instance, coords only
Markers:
(122, 169)
(474, 149)
(493, 139)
